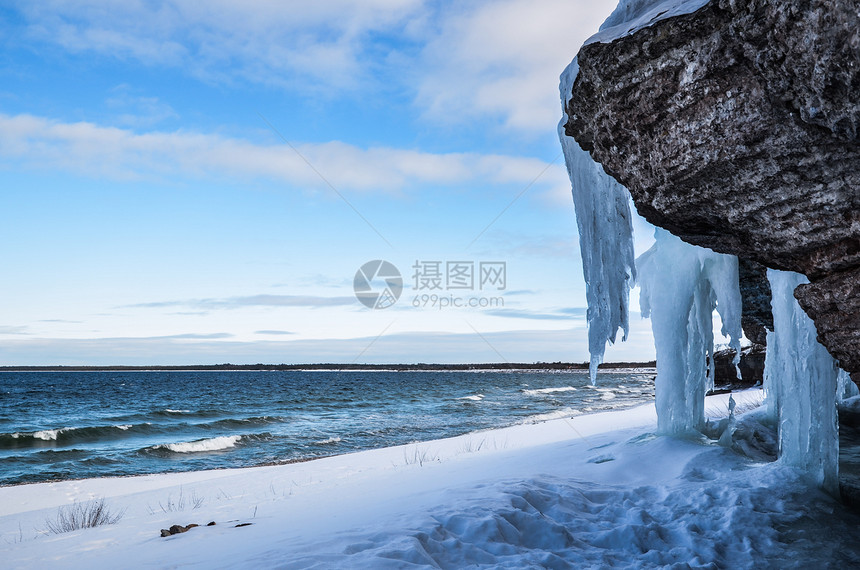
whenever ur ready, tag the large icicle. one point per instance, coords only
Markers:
(602, 205)
(801, 379)
(681, 285)
(605, 238)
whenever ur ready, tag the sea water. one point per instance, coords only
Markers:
(72, 425)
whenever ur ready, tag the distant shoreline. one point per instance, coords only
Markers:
(336, 367)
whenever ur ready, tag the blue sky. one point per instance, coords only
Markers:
(188, 182)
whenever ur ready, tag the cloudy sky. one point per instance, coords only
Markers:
(187, 182)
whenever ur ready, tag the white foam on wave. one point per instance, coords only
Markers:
(47, 435)
(555, 415)
(541, 391)
(51, 434)
(327, 441)
(211, 444)
(473, 397)
(124, 426)
(169, 411)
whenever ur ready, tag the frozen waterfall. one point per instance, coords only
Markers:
(800, 381)
(681, 285)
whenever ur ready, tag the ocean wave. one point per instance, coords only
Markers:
(541, 391)
(473, 397)
(328, 441)
(555, 415)
(201, 445)
(188, 413)
(69, 435)
(245, 422)
(51, 434)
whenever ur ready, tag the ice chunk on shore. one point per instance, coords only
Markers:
(681, 285)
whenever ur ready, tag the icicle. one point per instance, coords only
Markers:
(802, 380)
(681, 285)
(605, 238)
(845, 387)
(770, 382)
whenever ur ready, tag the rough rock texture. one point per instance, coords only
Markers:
(756, 317)
(751, 367)
(736, 128)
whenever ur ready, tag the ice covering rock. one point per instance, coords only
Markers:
(602, 204)
(632, 15)
(681, 285)
(605, 239)
(800, 381)
(737, 128)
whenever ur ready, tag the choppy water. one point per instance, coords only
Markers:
(70, 425)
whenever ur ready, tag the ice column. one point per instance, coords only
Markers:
(801, 379)
(605, 238)
(681, 285)
(845, 387)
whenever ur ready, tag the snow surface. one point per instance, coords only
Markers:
(589, 491)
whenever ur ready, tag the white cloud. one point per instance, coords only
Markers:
(494, 58)
(137, 110)
(265, 41)
(567, 345)
(503, 58)
(116, 153)
(253, 301)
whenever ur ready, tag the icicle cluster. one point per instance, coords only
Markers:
(605, 238)
(800, 382)
(681, 285)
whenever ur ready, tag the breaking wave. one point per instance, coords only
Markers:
(328, 441)
(201, 445)
(558, 414)
(473, 397)
(541, 391)
(67, 435)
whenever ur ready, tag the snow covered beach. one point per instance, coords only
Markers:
(590, 490)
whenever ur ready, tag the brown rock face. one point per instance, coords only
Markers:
(736, 128)
(757, 316)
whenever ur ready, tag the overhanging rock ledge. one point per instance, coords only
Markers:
(736, 128)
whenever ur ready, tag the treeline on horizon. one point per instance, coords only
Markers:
(334, 366)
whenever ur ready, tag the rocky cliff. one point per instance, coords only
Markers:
(736, 128)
